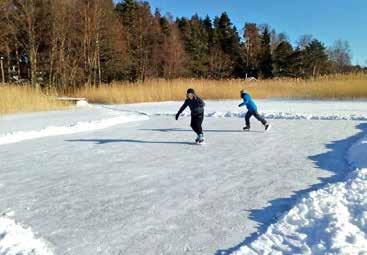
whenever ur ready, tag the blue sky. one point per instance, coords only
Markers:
(327, 20)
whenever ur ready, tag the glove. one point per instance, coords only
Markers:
(177, 115)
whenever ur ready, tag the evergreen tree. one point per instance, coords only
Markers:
(208, 26)
(227, 35)
(266, 63)
(295, 64)
(142, 34)
(316, 59)
(226, 45)
(281, 57)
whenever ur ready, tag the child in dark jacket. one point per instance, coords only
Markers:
(196, 105)
(252, 111)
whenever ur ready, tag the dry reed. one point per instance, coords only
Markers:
(352, 86)
(14, 99)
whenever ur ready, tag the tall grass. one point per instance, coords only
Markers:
(26, 99)
(352, 86)
(14, 99)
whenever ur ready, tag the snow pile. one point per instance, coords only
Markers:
(82, 103)
(280, 116)
(329, 221)
(78, 127)
(16, 240)
(271, 109)
(332, 220)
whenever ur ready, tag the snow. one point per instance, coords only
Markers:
(357, 154)
(127, 179)
(332, 220)
(271, 109)
(77, 127)
(82, 103)
(17, 240)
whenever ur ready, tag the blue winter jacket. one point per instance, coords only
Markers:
(250, 104)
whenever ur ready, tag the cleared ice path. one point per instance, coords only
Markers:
(143, 188)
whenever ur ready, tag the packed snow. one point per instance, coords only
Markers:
(332, 220)
(271, 109)
(82, 103)
(17, 240)
(128, 179)
(77, 127)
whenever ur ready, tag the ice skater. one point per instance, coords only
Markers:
(196, 105)
(252, 111)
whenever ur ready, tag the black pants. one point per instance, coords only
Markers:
(196, 122)
(249, 114)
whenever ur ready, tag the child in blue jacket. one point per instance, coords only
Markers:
(252, 111)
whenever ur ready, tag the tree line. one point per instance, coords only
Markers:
(71, 43)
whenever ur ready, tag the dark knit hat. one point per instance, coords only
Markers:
(190, 91)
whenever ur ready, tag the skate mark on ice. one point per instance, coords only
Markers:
(205, 130)
(107, 141)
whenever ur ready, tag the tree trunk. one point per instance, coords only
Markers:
(18, 60)
(9, 62)
(98, 59)
(2, 70)
(32, 47)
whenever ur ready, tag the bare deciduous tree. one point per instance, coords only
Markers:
(340, 55)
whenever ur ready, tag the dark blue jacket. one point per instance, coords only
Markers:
(250, 104)
(196, 106)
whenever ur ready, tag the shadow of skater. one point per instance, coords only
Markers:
(333, 161)
(206, 130)
(106, 141)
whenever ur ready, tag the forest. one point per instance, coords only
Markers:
(71, 44)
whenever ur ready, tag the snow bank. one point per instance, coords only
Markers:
(281, 116)
(82, 103)
(332, 220)
(329, 221)
(16, 240)
(78, 127)
(271, 109)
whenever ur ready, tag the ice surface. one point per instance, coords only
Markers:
(142, 187)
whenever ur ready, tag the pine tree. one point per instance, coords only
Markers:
(208, 26)
(316, 59)
(266, 63)
(281, 57)
(196, 40)
(142, 32)
(226, 45)
(295, 64)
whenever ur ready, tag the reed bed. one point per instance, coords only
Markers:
(341, 87)
(14, 99)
